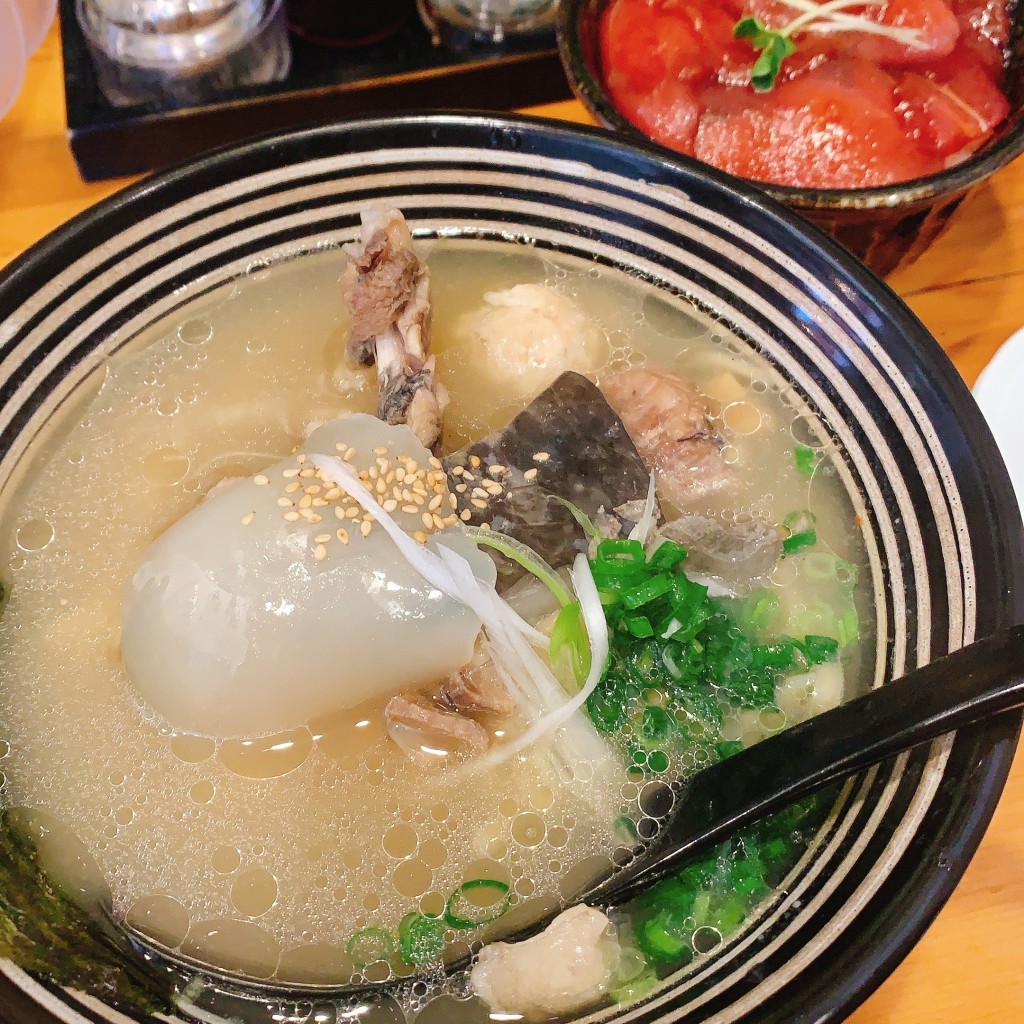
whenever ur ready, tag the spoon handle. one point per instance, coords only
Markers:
(973, 683)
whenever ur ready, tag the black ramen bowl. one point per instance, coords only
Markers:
(942, 528)
(886, 227)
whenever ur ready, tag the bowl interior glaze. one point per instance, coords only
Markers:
(943, 530)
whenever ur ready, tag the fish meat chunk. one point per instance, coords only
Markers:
(667, 418)
(567, 967)
(567, 442)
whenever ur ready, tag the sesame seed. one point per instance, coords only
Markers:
(300, 458)
(305, 501)
(485, 526)
(365, 528)
(320, 552)
(468, 476)
(427, 520)
(479, 492)
(435, 502)
(322, 538)
(478, 503)
(541, 456)
(349, 455)
(307, 473)
(384, 464)
(461, 488)
(289, 473)
(420, 536)
(320, 503)
(343, 536)
(248, 518)
(340, 446)
(261, 480)
(530, 474)
(353, 512)
(457, 470)
(404, 458)
(494, 489)
(466, 515)
(292, 487)
(312, 518)
(334, 494)
(399, 474)
(497, 469)
(339, 512)
(474, 461)
(292, 517)
(411, 466)
(411, 509)
(381, 487)
(314, 489)
(452, 501)
(438, 522)
(390, 505)
(373, 472)
(285, 502)
(380, 451)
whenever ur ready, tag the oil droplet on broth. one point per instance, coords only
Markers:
(192, 749)
(315, 964)
(400, 841)
(412, 878)
(195, 332)
(528, 829)
(225, 859)
(202, 792)
(350, 733)
(254, 892)
(166, 467)
(161, 918)
(268, 757)
(234, 946)
(34, 535)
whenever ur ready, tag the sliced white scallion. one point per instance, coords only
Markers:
(647, 520)
(509, 639)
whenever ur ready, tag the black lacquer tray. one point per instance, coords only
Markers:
(407, 71)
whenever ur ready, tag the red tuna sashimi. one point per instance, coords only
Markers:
(950, 111)
(834, 127)
(669, 112)
(985, 31)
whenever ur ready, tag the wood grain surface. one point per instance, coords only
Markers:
(968, 289)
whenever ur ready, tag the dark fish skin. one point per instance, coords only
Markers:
(592, 462)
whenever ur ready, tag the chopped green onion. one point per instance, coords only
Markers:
(818, 650)
(805, 458)
(610, 551)
(798, 541)
(667, 555)
(368, 945)
(476, 902)
(800, 520)
(420, 937)
(648, 591)
(524, 555)
(581, 517)
(570, 635)
(639, 625)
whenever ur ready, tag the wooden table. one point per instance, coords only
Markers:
(968, 289)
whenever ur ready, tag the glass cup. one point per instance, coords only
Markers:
(177, 53)
(466, 23)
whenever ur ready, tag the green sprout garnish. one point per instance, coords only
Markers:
(775, 47)
(777, 44)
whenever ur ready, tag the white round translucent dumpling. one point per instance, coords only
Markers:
(231, 629)
(529, 334)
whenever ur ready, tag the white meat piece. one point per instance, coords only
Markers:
(809, 693)
(529, 334)
(566, 968)
(233, 629)
(668, 421)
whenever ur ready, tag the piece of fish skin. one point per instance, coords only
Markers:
(591, 461)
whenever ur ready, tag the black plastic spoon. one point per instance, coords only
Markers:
(976, 682)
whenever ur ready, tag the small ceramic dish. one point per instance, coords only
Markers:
(886, 227)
